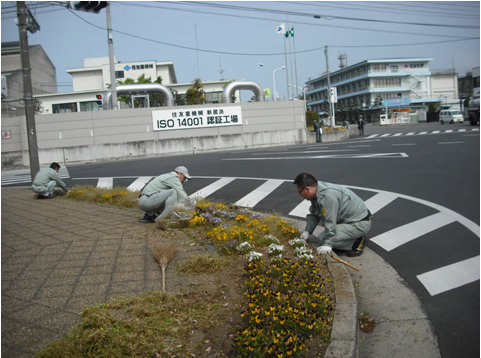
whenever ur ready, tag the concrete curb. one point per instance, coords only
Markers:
(345, 326)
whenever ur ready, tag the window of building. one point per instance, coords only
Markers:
(378, 67)
(64, 107)
(213, 97)
(119, 74)
(90, 106)
(393, 68)
(387, 82)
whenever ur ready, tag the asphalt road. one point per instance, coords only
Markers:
(421, 181)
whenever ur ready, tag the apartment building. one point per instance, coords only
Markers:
(366, 84)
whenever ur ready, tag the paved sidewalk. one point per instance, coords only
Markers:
(59, 256)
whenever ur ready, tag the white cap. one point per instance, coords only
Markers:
(183, 170)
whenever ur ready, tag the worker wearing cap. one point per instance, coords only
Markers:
(343, 214)
(164, 190)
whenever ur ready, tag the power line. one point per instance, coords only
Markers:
(380, 9)
(292, 22)
(266, 54)
(319, 16)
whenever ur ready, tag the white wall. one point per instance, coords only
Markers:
(106, 135)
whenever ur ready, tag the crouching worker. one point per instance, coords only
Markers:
(343, 214)
(46, 180)
(161, 194)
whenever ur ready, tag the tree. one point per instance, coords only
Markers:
(311, 117)
(195, 94)
(179, 100)
(37, 106)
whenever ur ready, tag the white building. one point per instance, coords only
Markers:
(366, 84)
(94, 79)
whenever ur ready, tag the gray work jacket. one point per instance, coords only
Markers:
(334, 204)
(46, 175)
(166, 181)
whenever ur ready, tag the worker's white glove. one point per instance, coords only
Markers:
(193, 203)
(305, 235)
(324, 249)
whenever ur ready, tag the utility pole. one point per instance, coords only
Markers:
(113, 81)
(331, 111)
(22, 12)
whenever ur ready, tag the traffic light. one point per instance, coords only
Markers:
(100, 101)
(89, 6)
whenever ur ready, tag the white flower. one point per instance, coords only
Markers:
(244, 247)
(271, 238)
(302, 251)
(305, 257)
(297, 242)
(253, 256)
(274, 249)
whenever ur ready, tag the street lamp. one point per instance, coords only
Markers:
(273, 77)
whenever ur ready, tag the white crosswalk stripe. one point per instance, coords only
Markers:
(420, 133)
(260, 193)
(23, 176)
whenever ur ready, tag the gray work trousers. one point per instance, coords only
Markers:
(40, 189)
(345, 236)
(155, 202)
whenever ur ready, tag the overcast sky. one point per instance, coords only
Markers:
(203, 38)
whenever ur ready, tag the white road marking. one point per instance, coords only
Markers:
(436, 132)
(335, 156)
(449, 131)
(406, 233)
(302, 209)
(209, 189)
(105, 183)
(450, 142)
(379, 201)
(358, 146)
(462, 130)
(372, 136)
(24, 176)
(138, 184)
(397, 134)
(254, 197)
(421, 133)
(475, 130)
(404, 144)
(452, 276)
(385, 135)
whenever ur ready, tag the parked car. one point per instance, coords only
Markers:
(451, 116)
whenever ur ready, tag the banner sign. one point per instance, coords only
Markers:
(197, 117)
(397, 102)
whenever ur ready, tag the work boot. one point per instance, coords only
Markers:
(358, 247)
(44, 196)
(147, 219)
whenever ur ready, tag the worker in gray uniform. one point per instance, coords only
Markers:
(46, 180)
(343, 214)
(161, 194)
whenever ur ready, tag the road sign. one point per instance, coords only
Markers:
(396, 102)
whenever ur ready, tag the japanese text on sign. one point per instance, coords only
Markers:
(196, 118)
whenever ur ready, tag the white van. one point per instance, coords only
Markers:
(450, 116)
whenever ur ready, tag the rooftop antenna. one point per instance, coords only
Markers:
(221, 71)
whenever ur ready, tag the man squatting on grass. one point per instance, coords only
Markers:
(46, 180)
(343, 214)
(160, 195)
